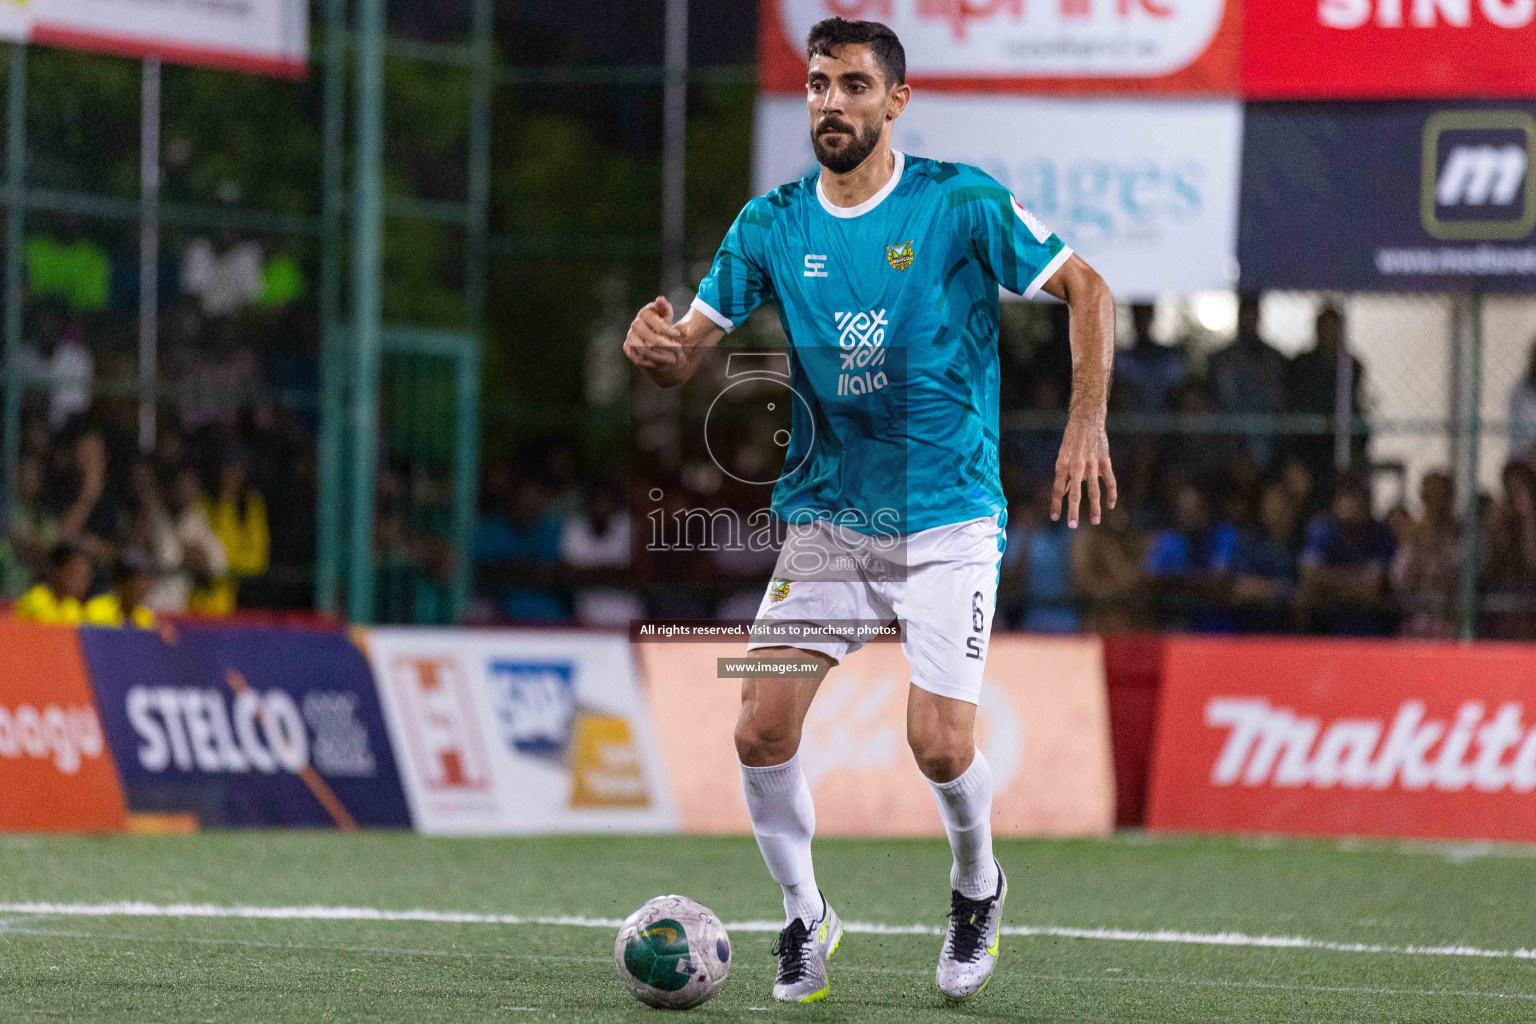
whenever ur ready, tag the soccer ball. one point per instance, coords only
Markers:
(672, 953)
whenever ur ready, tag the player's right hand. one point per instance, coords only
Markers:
(653, 341)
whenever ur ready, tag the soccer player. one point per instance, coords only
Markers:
(885, 268)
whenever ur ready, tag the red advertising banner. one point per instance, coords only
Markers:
(56, 773)
(1070, 46)
(1382, 738)
(1382, 49)
(1042, 723)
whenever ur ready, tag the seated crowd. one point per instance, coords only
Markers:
(1225, 530)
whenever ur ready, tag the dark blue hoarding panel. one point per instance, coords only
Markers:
(1389, 196)
(246, 726)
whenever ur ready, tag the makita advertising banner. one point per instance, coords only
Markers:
(246, 726)
(1379, 49)
(1146, 191)
(269, 37)
(1141, 46)
(1389, 196)
(56, 774)
(1378, 738)
(503, 731)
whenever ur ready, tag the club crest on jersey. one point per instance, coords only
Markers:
(900, 255)
(779, 590)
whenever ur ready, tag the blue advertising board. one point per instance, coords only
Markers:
(246, 726)
(1389, 196)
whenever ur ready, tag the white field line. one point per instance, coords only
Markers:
(1115, 979)
(1126, 980)
(1164, 936)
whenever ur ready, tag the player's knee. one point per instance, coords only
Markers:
(942, 754)
(765, 739)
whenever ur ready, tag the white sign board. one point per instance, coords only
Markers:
(979, 39)
(505, 731)
(1145, 190)
(269, 37)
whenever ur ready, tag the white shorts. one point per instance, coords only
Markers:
(940, 585)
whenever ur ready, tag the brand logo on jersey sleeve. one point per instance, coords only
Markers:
(900, 255)
(861, 336)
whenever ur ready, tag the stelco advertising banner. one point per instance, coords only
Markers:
(1393, 739)
(1187, 46)
(269, 37)
(1146, 191)
(56, 774)
(1389, 196)
(503, 732)
(1043, 724)
(1380, 49)
(246, 726)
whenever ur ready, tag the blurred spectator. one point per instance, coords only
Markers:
(78, 475)
(1038, 563)
(238, 516)
(1249, 377)
(1107, 574)
(1206, 459)
(1264, 566)
(594, 545)
(58, 360)
(57, 600)
(1040, 443)
(1313, 388)
(1301, 487)
(1427, 571)
(1522, 412)
(34, 527)
(1344, 566)
(517, 554)
(217, 379)
(124, 605)
(1509, 574)
(1188, 563)
(188, 555)
(1151, 370)
(224, 273)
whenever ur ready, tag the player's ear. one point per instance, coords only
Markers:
(896, 101)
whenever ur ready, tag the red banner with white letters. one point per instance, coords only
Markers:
(1073, 46)
(56, 773)
(1384, 738)
(1382, 49)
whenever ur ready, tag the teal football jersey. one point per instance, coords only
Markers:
(891, 308)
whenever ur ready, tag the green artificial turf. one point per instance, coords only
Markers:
(66, 966)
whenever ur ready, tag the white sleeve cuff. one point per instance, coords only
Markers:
(720, 320)
(1047, 273)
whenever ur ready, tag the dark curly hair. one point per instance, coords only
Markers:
(828, 35)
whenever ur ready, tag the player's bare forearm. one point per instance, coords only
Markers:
(669, 353)
(1084, 458)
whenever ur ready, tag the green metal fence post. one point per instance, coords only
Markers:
(1471, 524)
(367, 305)
(333, 372)
(482, 78)
(466, 468)
(15, 225)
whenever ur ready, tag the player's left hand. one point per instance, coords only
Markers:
(1084, 459)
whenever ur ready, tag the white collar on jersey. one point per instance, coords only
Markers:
(873, 201)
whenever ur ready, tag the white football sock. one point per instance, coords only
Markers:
(965, 805)
(783, 820)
